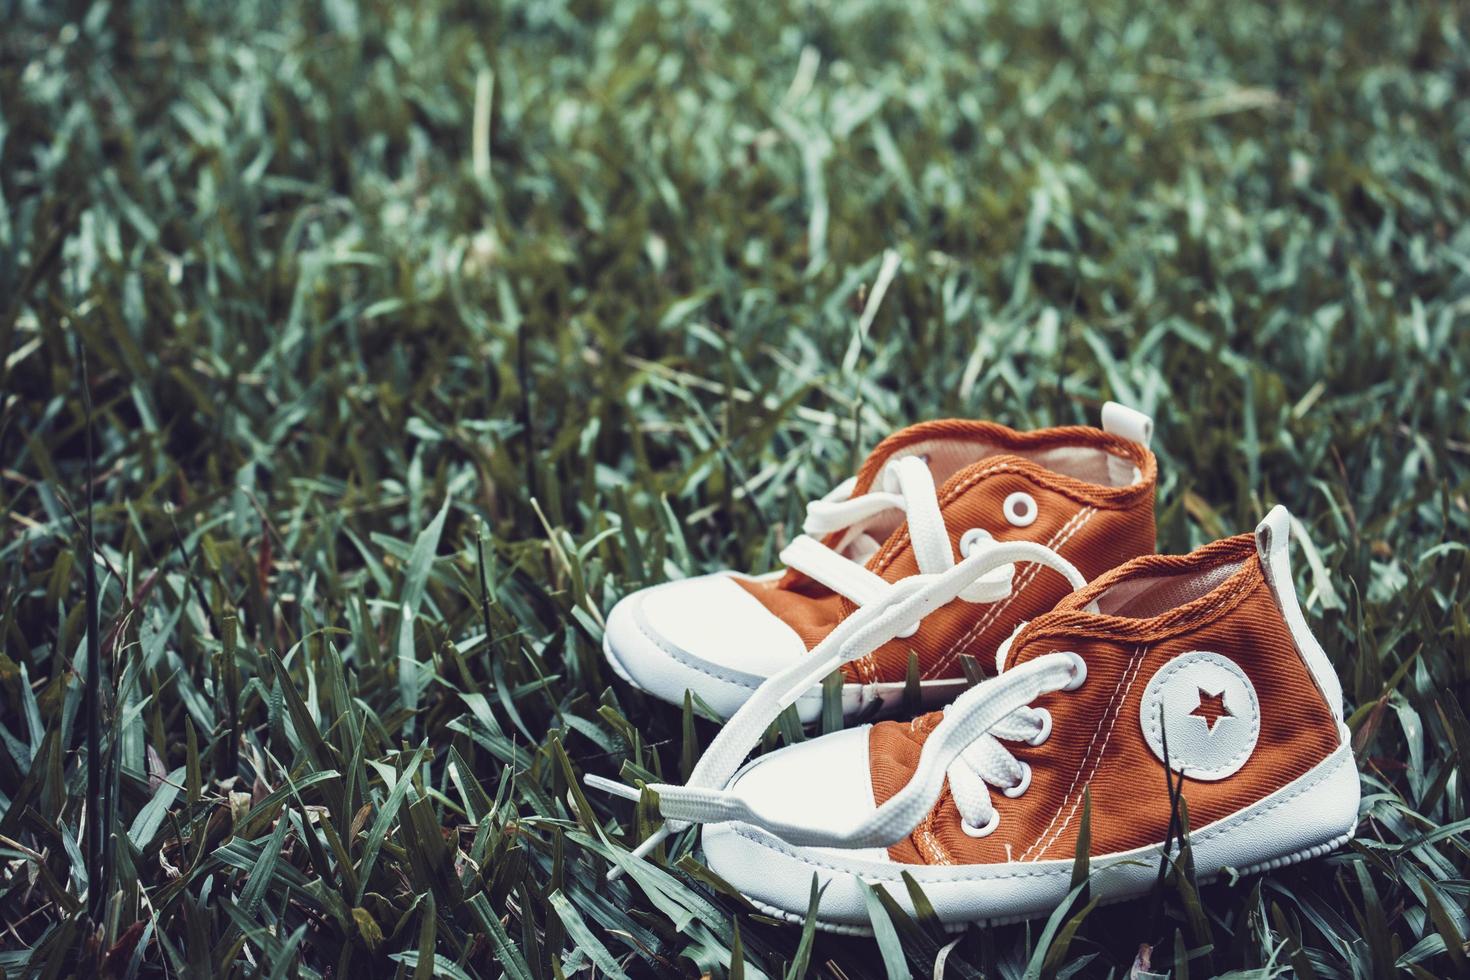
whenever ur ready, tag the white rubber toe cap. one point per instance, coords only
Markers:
(828, 775)
(703, 634)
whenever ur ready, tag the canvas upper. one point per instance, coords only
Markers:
(1087, 508)
(1204, 660)
(1155, 614)
(1085, 494)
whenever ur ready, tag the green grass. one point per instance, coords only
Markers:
(415, 338)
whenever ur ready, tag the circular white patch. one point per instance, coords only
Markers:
(1209, 709)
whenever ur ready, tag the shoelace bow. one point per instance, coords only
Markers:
(997, 707)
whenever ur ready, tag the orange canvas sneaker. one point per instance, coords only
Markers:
(1201, 664)
(1082, 498)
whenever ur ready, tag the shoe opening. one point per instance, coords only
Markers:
(1153, 595)
(1089, 464)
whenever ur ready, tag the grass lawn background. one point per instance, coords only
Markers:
(417, 334)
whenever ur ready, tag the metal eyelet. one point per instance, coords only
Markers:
(1045, 732)
(1079, 670)
(984, 831)
(1020, 509)
(968, 539)
(1022, 786)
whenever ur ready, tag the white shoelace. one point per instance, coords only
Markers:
(994, 708)
(985, 761)
(904, 484)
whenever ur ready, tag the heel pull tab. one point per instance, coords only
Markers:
(1133, 425)
(1273, 540)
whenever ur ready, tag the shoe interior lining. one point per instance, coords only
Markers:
(1086, 463)
(1144, 598)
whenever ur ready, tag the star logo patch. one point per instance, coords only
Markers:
(1184, 704)
(1211, 708)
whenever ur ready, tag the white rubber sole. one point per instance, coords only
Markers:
(1204, 879)
(1311, 816)
(725, 695)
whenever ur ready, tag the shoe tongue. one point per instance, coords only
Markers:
(869, 474)
(863, 548)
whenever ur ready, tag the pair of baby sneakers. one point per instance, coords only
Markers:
(1120, 677)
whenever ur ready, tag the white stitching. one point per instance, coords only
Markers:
(680, 656)
(949, 498)
(686, 659)
(864, 665)
(1064, 534)
(936, 846)
(1130, 674)
(1059, 539)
